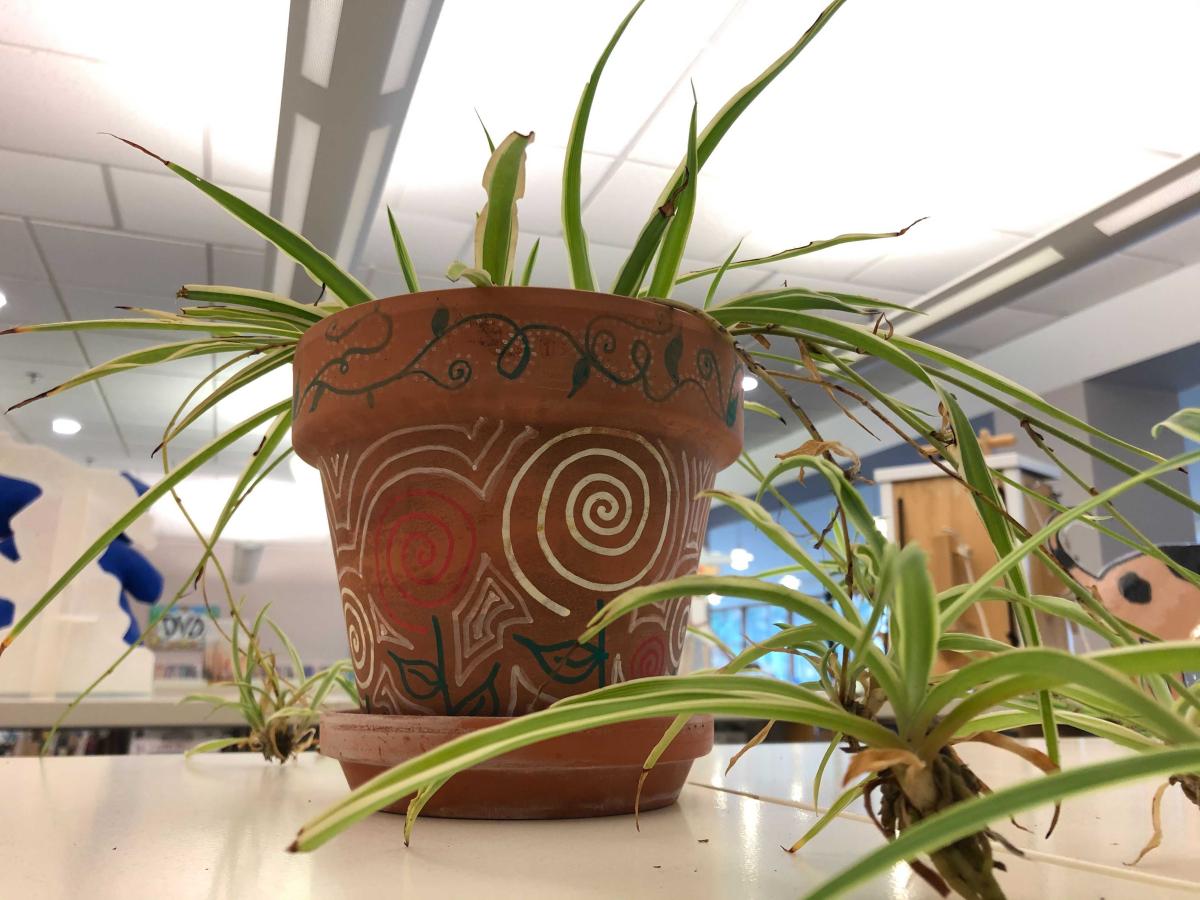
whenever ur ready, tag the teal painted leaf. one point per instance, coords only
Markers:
(441, 318)
(579, 376)
(731, 410)
(566, 662)
(420, 677)
(672, 355)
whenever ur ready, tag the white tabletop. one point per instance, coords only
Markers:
(215, 827)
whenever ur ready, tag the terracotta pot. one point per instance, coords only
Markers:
(589, 773)
(497, 464)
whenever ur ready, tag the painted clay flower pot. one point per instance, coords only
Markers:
(497, 464)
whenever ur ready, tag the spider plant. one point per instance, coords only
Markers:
(832, 333)
(280, 710)
(929, 801)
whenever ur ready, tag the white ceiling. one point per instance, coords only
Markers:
(997, 121)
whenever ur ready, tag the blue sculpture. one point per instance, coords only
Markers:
(138, 577)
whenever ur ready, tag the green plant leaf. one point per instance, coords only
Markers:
(574, 235)
(763, 410)
(320, 267)
(969, 816)
(720, 274)
(1038, 538)
(486, 134)
(680, 225)
(496, 226)
(303, 314)
(633, 271)
(810, 247)
(215, 745)
(402, 257)
(243, 377)
(530, 261)
(148, 356)
(736, 695)
(915, 629)
(802, 299)
(1185, 423)
(477, 277)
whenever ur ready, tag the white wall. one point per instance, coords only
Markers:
(297, 578)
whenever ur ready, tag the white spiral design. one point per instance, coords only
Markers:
(595, 506)
(361, 637)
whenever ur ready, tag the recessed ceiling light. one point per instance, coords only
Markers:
(791, 582)
(749, 382)
(740, 559)
(65, 426)
(1154, 202)
(1006, 277)
(3, 300)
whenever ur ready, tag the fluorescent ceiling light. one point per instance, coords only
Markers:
(1003, 278)
(404, 50)
(1156, 201)
(303, 156)
(65, 426)
(3, 300)
(749, 382)
(320, 40)
(370, 171)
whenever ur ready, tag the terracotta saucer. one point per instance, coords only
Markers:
(591, 773)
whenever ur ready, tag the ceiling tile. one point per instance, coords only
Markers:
(168, 205)
(77, 100)
(1093, 284)
(82, 403)
(240, 268)
(390, 282)
(999, 326)
(144, 398)
(18, 256)
(56, 348)
(108, 259)
(933, 254)
(1179, 243)
(540, 210)
(49, 188)
(96, 303)
(433, 243)
(28, 302)
(552, 268)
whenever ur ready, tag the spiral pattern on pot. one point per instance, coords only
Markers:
(425, 548)
(597, 500)
(360, 635)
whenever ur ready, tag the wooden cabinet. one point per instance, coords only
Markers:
(922, 505)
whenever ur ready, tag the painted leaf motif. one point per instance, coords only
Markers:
(579, 375)
(731, 410)
(441, 318)
(566, 662)
(672, 355)
(483, 700)
(420, 677)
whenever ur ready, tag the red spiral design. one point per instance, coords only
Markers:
(650, 658)
(425, 545)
